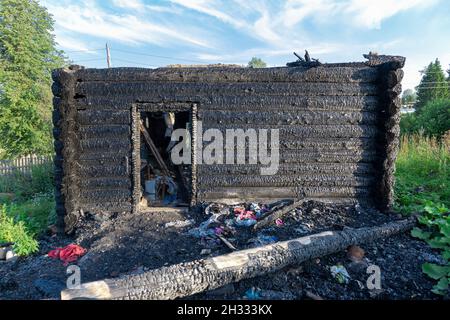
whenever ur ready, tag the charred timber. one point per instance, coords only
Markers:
(188, 278)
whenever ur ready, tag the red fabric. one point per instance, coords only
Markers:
(239, 210)
(247, 215)
(68, 254)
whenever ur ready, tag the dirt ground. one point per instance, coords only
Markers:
(126, 243)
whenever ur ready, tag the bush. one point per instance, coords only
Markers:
(422, 173)
(15, 231)
(408, 123)
(36, 213)
(27, 214)
(433, 119)
(256, 63)
(26, 185)
(422, 179)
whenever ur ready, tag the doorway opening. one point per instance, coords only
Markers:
(163, 183)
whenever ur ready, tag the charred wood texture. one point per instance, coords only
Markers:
(66, 148)
(338, 129)
(188, 278)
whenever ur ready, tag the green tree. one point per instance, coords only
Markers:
(256, 63)
(408, 123)
(433, 119)
(409, 97)
(27, 57)
(432, 86)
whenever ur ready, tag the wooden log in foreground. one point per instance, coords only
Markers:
(188, 278)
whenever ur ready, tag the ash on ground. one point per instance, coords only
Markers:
(133, 243)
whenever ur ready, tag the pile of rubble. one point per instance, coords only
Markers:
(225, 223)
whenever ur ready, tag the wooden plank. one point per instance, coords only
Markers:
(154, 150)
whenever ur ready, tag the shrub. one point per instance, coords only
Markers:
(36, 213)
(422, 173)
(433, 119)
(26, 185)
(32, 208)
(15, 231)
(422, 178)
(408, 123)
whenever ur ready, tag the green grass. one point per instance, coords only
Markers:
(27, 207)
(422, 174)
(422, 186)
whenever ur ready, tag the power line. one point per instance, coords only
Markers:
(87, 60)
(434, 87)
(134, 62)
(432, 72)
(157, 56)
(85, 51)
(444, 81)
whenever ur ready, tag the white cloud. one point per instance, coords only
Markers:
(295, 11)
(68, 43)
(369, 13)
(362, 13)
(211, 8)
(128, 4)
(273, 29)
(278, 25)
(275, 21)
(89, 19)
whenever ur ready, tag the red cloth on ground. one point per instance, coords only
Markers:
(68, 254)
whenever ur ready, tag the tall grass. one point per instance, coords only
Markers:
(27, 207)
(25, 185)
(422, 186)
(422, 173)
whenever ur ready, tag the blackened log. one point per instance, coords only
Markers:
(229, 102)
(188, 278)
(277, 214)
(143, 91)
(326, 73)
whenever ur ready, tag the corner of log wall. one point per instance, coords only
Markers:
(65, 142)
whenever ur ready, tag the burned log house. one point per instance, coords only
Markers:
(338, 134)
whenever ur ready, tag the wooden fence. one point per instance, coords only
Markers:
(23, 164)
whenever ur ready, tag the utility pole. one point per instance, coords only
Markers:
(108, 56)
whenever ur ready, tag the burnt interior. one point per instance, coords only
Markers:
(162, 186)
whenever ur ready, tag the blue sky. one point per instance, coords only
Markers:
(209, 31)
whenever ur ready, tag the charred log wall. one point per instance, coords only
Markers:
(338, 127)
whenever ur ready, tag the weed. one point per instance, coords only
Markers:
(422, 186)
(26, 214)
(12, 230)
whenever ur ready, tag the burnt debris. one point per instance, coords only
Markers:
(304, 62)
